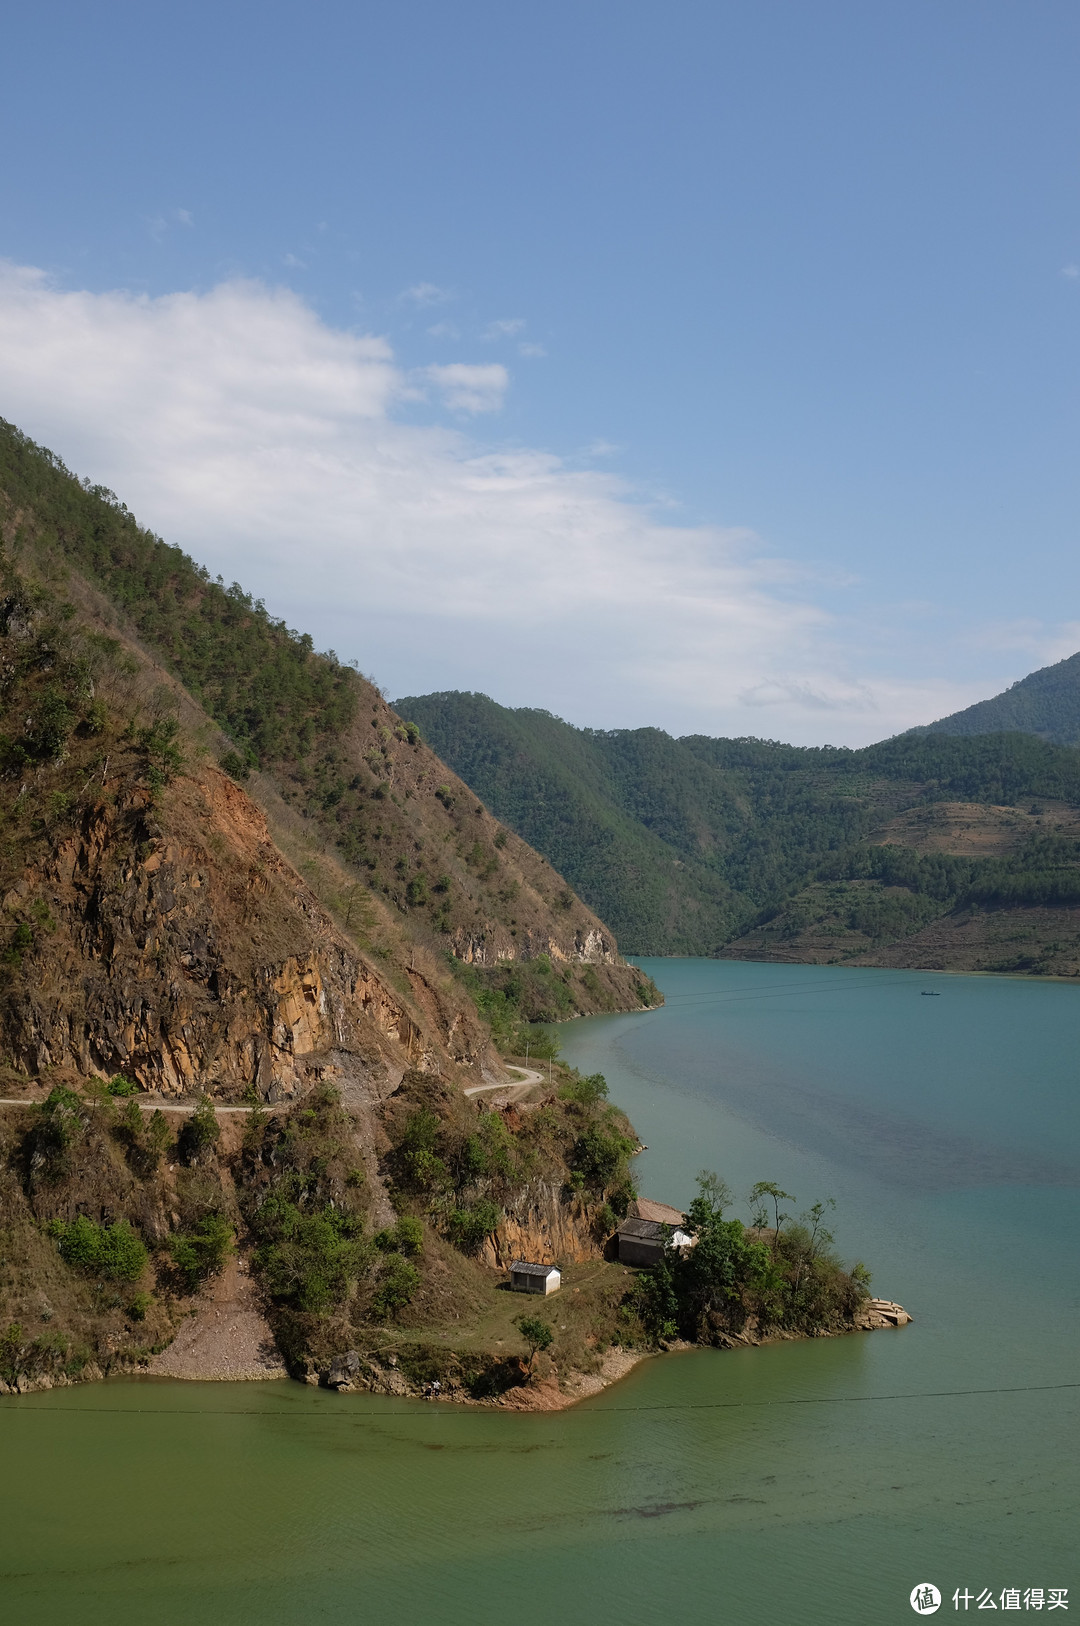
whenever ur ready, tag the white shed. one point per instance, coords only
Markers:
(528, 1278)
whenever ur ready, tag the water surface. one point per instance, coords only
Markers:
(807, 1482)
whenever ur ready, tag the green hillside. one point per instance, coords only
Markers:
(698, 845)
(1046, 703)
(393, 845)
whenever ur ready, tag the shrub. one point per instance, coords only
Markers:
(416, 892)
(469, 1227)
(419, 1166)
(406, 1237)
(202, 1252)
(235, 766)
(112, 1251)
(120, 1086)
(585, 1092)
(601, 1156)
(398, 1281)
(200, 1133)
(59, 1124)
(310, 1261)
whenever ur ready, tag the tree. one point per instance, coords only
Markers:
(769, 1188)
(200, 1132)
(537, 1333)
(714, 1194)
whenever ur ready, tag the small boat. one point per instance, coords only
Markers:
(930, 993)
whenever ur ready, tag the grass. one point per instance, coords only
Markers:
(583, 1313)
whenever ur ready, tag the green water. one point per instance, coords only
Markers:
(812, 1482)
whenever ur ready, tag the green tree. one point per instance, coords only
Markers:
(202, 1252)
(397, 1282)
(537, 1333)
(469, 1228)
(769, 1189)
(200, 1133)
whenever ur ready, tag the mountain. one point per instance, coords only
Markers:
(256, 942)
(396, 848)
(926, 849)
(1046, 703)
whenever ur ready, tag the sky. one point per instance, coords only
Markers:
(705, 366)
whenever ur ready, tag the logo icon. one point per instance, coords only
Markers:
(925, 1599)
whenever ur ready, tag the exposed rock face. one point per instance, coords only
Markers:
(186, 953)
(590, 947)
(544, 1228)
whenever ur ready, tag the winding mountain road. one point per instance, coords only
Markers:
(526, 1081)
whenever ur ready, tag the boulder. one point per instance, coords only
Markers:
(343, 1369)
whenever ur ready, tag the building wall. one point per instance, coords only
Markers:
(535, 1284)
(634, 1250)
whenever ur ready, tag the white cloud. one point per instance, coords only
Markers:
(1071, 271)
(240, 425)
(444, 330)
(426, 293)
(504, 328)
(471, 389)
(530, 349)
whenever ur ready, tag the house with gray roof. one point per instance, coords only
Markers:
(530, 1278)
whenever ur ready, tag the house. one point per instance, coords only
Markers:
(644, 1241)
(527, 1278)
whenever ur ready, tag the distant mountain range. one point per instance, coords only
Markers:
(947, 846)
(1046, 703)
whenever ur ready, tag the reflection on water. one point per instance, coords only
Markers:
(794, 1483)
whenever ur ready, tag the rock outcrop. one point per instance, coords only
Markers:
(183, 951)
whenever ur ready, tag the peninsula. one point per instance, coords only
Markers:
(265, 963)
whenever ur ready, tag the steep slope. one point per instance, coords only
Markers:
(356, 797)
(272, 942)
(790, 840)
(1046, 703)
(630, 818)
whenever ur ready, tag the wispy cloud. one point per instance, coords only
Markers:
(1071, 271)
(241, 426)
(444, 330)
(424, 294)
(158, 225)
(505, 328)
(531, 350)
(470, 389)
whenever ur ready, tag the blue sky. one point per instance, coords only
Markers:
(706, 365)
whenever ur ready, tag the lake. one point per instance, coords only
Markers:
(805, 1482)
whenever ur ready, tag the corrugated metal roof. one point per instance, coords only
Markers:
(521, 1267)
(644, 1230)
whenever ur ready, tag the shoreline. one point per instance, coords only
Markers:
(230, 1342)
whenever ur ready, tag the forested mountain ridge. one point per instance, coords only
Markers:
(751, 848)
(231, 877)
(1046, 703)
(376, 820)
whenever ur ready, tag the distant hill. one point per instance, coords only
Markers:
(1046, 703)
(753, 849)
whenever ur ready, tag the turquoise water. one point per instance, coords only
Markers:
(814, 1482)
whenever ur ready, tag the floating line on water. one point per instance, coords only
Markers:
(678, 1000)
(601, 1411)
